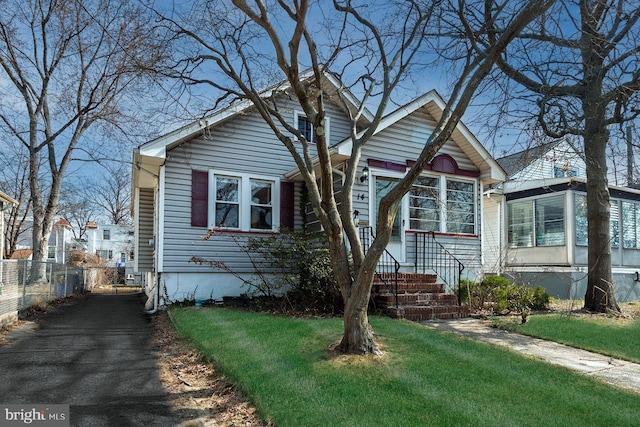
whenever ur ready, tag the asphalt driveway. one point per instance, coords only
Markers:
(94, 355)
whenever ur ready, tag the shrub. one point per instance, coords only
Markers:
(498, 295)
(292, 272)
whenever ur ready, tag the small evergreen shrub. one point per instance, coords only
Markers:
(497, 294)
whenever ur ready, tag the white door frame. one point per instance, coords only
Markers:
(395, 248)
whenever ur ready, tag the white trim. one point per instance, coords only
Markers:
(136, 228)
(374, 173)
(159, 240)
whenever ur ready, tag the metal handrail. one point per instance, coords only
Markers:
(387, 263)
(439, 259)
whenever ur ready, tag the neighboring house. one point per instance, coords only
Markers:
(26, 254)
(6, 202)
(538, 219)
(113, 243)
(229, 173)
(61, 242)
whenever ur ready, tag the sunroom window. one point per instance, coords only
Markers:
(582, 223)
(548, 229)
(550, 221)
(631, 225)
(521, 224)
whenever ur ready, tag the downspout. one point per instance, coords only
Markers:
(156, 296)
(159, 241)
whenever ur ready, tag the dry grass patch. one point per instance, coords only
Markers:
(200, 394)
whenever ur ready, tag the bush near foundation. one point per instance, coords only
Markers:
(498, 295)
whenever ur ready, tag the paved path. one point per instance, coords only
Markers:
(94, 355)
(614, 371)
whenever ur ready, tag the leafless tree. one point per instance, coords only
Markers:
(241, 46)
(69, 66)
(113, 193)
(580, 70)
(76, 208)
(14, 173)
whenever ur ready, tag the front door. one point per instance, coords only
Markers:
(396, 245)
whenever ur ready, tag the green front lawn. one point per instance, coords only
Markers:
(614, 337)
(427, 378)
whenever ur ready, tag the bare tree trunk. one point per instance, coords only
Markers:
(600, 293)
(358, 334)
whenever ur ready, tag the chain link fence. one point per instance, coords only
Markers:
(26, 283)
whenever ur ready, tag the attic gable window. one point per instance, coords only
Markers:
(304, 125)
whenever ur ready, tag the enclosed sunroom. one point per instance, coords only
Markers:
(546, 236)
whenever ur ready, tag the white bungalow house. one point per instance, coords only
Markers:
(231, 162)
(538, 221)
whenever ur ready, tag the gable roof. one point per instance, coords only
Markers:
(5, 198)
(148, 157)
(331, 85)
(516, 162)
(490, 170)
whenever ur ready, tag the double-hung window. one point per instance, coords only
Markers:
(244, 202)
(442, 204)
(227, 201)
(460, 207)
(261, 204)
(424, 204)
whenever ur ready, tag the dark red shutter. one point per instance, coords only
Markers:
(287, 205)
(199, 198)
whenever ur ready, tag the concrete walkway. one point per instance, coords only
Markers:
(614, 371)
(94, 355)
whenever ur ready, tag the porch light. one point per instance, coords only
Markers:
(365, 174)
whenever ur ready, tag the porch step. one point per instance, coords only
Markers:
(430, 298)
(407, 282)
(420, 297)
(416, 314)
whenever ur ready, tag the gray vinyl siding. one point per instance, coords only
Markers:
(493, 245)
(404, 141)
(145, 231)
(466, 249)
(244, 145)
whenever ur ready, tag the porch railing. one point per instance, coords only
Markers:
(431, 255)
(388, 266)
